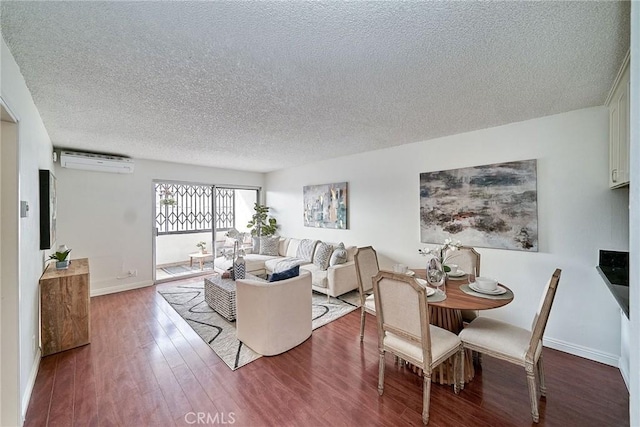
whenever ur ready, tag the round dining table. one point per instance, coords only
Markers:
(447, 314)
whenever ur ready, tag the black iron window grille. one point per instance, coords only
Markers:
(187, 208)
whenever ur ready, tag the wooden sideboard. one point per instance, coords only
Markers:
(64, 307)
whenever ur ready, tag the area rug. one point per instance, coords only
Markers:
(220, 334)
(177, 270)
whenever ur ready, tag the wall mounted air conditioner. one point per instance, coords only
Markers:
(96, 162)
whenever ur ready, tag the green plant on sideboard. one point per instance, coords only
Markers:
(61, 258)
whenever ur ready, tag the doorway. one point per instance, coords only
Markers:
(10, 367)
(191, 222)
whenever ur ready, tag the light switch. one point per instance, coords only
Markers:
(24, 209)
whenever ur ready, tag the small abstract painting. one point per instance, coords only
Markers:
(491, 206)
(325, 206)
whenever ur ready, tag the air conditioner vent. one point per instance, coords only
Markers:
(96, 162)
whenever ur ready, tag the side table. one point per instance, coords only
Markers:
(200, 257)
(65, 309)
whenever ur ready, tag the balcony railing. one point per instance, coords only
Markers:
(188, 208)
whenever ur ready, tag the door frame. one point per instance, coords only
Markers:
(154, 229)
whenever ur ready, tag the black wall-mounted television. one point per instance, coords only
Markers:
(47, 209)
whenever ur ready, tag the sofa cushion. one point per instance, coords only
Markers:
(306, 249)
(322, 255)
(292, 248)
(279, 264)
(318, 277)
(282, 246)
(287, 274)
(338, 256)
(269, 245)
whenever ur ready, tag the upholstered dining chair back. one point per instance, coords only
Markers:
(542, 315)
(466, 258)
(366, 260)
(469, 261)
(401, 305)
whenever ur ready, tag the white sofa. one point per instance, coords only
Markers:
(274, 317)
(334, 281)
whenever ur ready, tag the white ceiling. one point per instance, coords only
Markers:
(267, 85)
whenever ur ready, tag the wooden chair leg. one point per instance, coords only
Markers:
(533, 391)
(462, 356)
(543, 387)
(381, 373)
(362, 316)
(426, 397)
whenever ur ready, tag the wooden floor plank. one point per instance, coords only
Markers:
(146, 366)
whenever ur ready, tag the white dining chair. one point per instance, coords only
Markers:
(516, 345)
(366, 260)
(404, 331)
(468, 260)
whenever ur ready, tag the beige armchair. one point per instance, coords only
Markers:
(516, 345)
(273, 317)
(404, 331)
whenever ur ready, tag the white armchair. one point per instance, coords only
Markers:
(273, 317)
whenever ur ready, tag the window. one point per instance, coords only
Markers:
(187, 208)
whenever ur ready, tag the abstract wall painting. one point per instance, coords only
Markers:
(325, 206)
(491, 206)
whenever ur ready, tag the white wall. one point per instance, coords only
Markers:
(172, 248)
(34, 153)
(577, 216)
(108, 217)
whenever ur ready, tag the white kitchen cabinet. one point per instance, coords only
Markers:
(619, 125)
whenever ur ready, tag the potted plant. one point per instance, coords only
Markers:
(261, 225)
(61, 258)
(202, 246)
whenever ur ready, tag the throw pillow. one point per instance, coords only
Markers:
(305, 249)
(322, 255)
(269, 245)
(339, 255)
(287, 274)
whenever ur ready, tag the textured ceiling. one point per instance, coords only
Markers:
(267, 85)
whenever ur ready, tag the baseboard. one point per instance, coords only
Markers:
(625, 373)
(120, 288)
(587, 353)
(30, 384)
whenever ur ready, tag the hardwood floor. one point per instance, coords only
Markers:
(146, 366)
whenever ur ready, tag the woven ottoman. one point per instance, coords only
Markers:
(220, 295)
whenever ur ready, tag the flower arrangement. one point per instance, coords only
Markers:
(439, 252)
